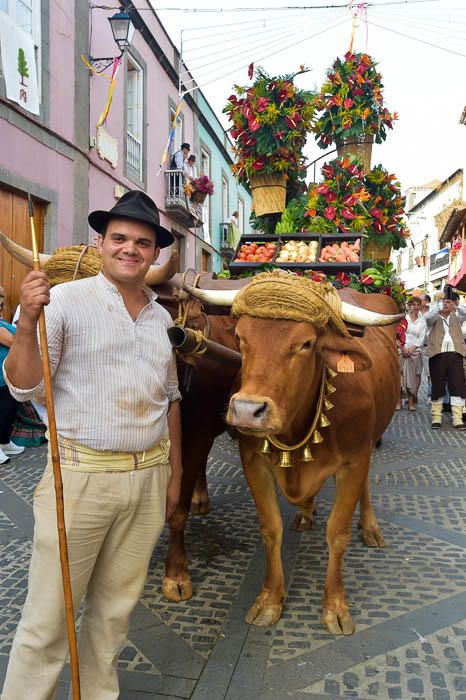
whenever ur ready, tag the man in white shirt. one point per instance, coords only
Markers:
(118, 423)
(446, 349)
(189, 169)
(179, 157)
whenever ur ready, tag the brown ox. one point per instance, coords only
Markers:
(282, 366)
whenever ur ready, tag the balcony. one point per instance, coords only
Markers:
(225, 241)
(177, 205)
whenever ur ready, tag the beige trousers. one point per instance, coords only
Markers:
(113, 521)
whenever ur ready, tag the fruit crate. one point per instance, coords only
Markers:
(335, 266)
(289, 245)
(238, 266)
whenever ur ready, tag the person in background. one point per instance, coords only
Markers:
(8, 405)
(189, 168)
(425, 306)
(234, 218)
(410, 354)
(179, 157)
(446, 350)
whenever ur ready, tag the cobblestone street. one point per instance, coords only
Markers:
(408, 600)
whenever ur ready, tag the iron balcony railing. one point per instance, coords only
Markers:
(176, 198)
(134, 153)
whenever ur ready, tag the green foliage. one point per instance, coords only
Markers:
(23, 69)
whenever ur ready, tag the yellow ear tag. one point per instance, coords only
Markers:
(345, 364)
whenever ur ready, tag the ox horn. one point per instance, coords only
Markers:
(158, 274)
(216, 297)
(22, 255)
(363, 317)
(350, 313)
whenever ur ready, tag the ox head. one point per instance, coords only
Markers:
(157, 274)
(287, 329)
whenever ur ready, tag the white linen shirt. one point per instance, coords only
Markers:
(113, 378)
(415, 332)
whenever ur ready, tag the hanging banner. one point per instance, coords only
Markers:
(19, 66)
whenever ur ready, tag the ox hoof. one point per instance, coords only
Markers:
(262, 613)
(372, 537)
(200, 507)
(338, 622)
(177, 590)
(301, 522)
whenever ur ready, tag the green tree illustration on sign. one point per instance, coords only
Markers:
(22, 66)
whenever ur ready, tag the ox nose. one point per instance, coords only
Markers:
(249, 414)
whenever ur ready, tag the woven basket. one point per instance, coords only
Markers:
(73, 263)
(358, 146)
(268, 194)
(372, 251)
(198, 197)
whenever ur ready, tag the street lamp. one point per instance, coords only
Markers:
(123, 32)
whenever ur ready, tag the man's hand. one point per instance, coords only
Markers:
(34, 294)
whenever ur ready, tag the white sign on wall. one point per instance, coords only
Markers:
(19, 66)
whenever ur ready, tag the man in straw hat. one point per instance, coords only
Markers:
(118, 422)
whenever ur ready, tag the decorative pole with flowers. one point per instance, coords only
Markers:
(350, 108)
(271, 120)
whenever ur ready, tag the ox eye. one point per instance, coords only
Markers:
(307, 345)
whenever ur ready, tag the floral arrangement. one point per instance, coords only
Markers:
(271, 120)
(349, 199)
(199, 184)
(386, 207)
(350, 102)
(338, 203)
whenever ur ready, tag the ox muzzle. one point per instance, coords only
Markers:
(253, 414)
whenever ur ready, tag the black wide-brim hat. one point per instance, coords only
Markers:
(133, 205)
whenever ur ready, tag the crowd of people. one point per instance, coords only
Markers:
(431, 342)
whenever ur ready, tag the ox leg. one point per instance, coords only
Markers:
(200, 502)
(268, 605)
(371, 534)
(177, 585)
(303, 518)
(335, 615)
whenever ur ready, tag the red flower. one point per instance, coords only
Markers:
(353, 169)
(251, 71)
(327, 171)
(293, 121)
(254, 124)
(348, 102)
(330, 213)
(259, 163)
(279, 134)
(262, 103)
(322, 189)
(344, 278)
(375, 213)
(367, 279)
(348, 201)
(330, 197)
(347, 213)
(378, 227)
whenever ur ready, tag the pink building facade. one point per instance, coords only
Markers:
(70, 166)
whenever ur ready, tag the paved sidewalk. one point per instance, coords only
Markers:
(408, 600)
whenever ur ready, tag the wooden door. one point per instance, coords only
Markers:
(205, 261)
(14, 222)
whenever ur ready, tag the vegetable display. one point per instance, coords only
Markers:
(341, 252)
(256, 252)
(298, 252)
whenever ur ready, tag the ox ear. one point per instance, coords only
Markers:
(333, 346)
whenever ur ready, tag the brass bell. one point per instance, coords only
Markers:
(323, 421)
(285, 460)
(330, 388)
(328, 405)
(331, 372)
(307, 455)
(265, 449)
(317, 437)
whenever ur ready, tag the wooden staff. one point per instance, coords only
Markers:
(62, 543)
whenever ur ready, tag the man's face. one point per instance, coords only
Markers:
(128, 250)
(185, 152)
(424, 301)
(449, 305)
